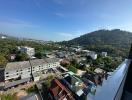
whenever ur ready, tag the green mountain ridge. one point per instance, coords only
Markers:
(113, 41)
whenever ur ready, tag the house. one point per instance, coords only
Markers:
(98, 70)
(104, 54)
(12, 56)
(3, 37)
(92, 54)
(58, 91)
(65, 62)
(28, 50)
(74, 84)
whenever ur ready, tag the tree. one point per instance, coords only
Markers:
(38, 55)
(3, 60)
(22, 57)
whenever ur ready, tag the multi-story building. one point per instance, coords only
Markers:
(16, 73)
(15, 70)
(28, 50)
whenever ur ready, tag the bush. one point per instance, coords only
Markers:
(73, 69)
(32, 89)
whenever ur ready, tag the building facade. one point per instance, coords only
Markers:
(16, 73)
(28, 50)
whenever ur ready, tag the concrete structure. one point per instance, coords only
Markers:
(32, 96)
(104, 54)
(99, 70)
(36, 77)
(28, 50)
(12, 56)
(74, 84)
(15, 70)
(92, 54)
(16, 73)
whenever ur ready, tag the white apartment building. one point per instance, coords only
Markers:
(28, 50)
(104, 54)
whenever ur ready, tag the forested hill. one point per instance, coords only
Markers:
(105, 40)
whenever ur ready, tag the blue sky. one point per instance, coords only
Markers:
(63, 19)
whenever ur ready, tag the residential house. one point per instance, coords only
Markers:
(104, 54)
(58, 91)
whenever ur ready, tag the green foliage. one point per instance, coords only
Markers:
(6, 97)
(73, 69)
(9, 46)
(21, 57)
(3, 61)
(40, 55)
(32, 89)
(47, 82)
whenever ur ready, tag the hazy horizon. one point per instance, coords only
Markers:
(59, 20)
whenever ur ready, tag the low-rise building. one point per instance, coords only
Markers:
(58, 91)
(74, 84)
(92, 54)
(104, 54)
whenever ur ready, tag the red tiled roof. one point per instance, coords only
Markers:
(59, 90)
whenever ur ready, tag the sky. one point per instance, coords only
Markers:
(59, 20)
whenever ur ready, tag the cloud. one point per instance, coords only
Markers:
(16, 23)
(68, 36)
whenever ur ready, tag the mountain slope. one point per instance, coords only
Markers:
(112, 41)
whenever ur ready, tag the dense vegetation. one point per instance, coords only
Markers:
(9, 46)
(116, 42)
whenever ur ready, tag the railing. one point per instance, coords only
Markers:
(120, 89)
(112, 88)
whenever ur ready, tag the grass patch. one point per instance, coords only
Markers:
(32, 89)
(6, 97)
